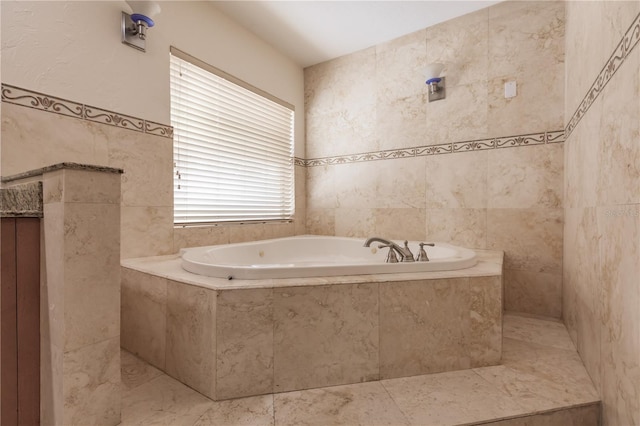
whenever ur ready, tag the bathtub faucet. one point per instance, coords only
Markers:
(404, 252)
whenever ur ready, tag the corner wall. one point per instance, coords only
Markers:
(601, 292)
(475, 169)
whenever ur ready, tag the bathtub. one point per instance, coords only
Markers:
(315, 256)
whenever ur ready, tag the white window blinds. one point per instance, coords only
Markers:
(233, 148)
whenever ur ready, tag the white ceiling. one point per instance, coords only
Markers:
(310, 32)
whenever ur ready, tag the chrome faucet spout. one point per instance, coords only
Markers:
(404, 252)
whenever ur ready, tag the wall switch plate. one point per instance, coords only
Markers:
(510, 89)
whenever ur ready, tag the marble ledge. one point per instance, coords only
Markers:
(169, 267)
(60, 166)
(24, 200)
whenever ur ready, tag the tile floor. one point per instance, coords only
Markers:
(541, 376)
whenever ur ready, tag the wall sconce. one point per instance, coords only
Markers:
(435, 82)
(134, 26)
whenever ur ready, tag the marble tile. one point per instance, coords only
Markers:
(358, 184)
(399, 183)
(463, 227)
(321, 221)
(163, 401)
(199, 236)
(78, 186)
(246, 232)
(143, 316)
(585, 52)
(582, 160)
(620, 332)
(134, 371)
(588, 415)
(538, 247)
(321, 187)
(525, 41)
(485, 322)
(528, 177)
(340, 121)
(534, 391)
(146, 231)
(400, 224)
(354, 222)
(461, 44)
(525, 33)
(91, 273)
(467, 103)
(404, 124)
(361, 404)
(457, 181)
(589, 341)
(541, 332)
(341, 83)
(435, 398)
(325, 336)
(244, 343)
(191, 339)
(393, 58)
(52, 314)
(28, 141)
(620, 135)
(252, 411)
(424, 327)
(536, 293)
(559, 373)
(92, 384)
(147, 161)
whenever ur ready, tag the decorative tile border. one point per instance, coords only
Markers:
(556, 136)
(28, 98)
(617, 58)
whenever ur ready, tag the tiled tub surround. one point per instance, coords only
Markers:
(601, 293)
(40, 129)
(237, 338)
(443, 174)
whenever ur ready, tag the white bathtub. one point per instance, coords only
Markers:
(315, 256)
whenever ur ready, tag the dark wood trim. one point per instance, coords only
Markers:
(28, 296)
(9, 355)
(20, 321)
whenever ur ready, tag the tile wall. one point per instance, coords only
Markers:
(475, 169)
(601, 293)
(40, 130)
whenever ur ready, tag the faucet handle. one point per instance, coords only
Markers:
(391, 256)
(422, 255)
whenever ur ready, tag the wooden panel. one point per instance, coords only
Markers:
(28, 323)
(8, 310)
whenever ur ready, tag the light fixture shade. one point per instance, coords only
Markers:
(147, 8)
(432, 71)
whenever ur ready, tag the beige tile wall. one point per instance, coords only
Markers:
(507, 199)
(601, 291)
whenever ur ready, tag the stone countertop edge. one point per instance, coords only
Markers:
(60, 166)
(23, 200)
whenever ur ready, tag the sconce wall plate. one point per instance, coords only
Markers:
(128, 37)
(440, 91)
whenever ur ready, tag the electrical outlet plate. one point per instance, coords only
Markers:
(510, 89)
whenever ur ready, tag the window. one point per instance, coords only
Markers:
(232, 149)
